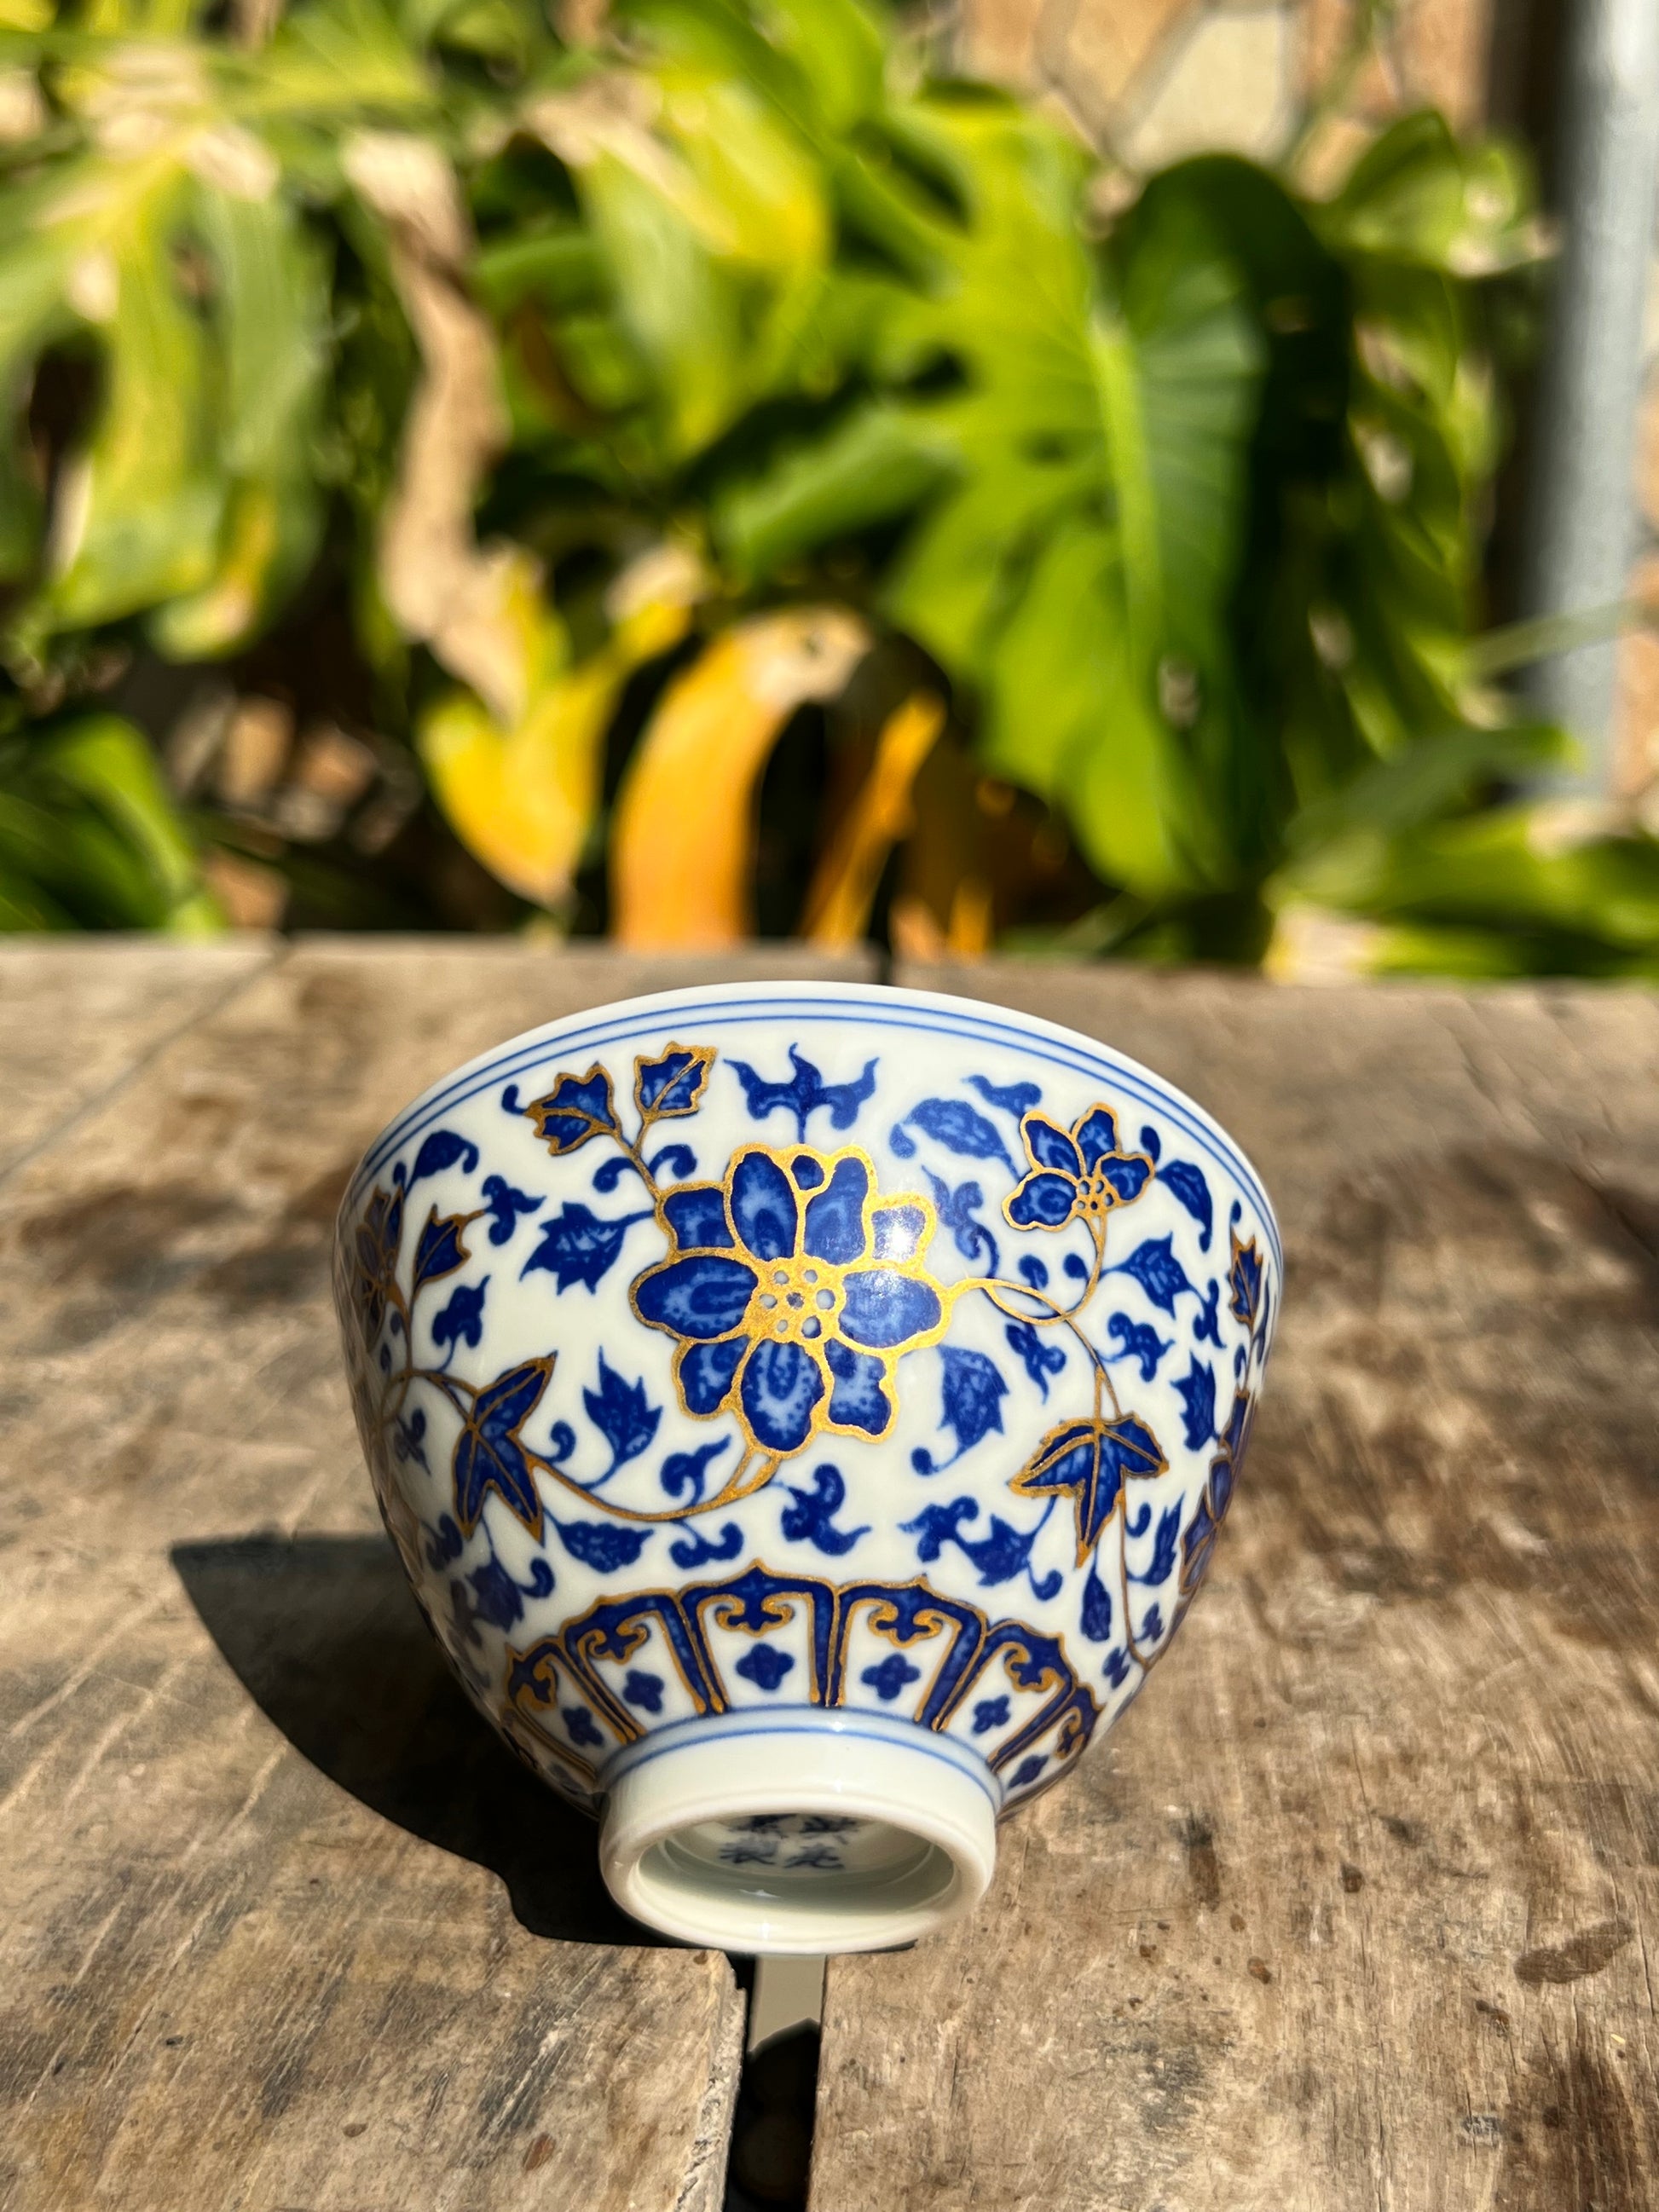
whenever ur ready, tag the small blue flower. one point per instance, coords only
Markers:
(989, 1713)
(580, 1722)
(764, 1667)
(1198, 1539)
(643, 1690)
(1080, 1173)
(496, 1596)
(889, 1678)
(1027, 1771)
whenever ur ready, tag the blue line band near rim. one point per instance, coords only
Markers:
(612, 1029)
(813, 1720)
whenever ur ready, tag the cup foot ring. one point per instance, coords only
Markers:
(804, 1834)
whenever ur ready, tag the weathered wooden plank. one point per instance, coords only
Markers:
(78, 1017)
(1358, 1909)
(280, 1927)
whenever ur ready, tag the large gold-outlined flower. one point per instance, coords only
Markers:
(794, 1287)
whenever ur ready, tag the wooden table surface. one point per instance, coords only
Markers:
(1355, 1911)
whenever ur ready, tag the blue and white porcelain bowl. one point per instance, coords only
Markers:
(804, 1413)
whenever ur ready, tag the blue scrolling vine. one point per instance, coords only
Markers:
(796, 1293)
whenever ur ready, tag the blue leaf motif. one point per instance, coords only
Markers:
(1035, 1273)
(673, 1084)
(602, 1545)
(504, 1205)
(1001, 1553)
(443, 1544)
(695, 1551)
(489, 1454)
(1189, 1186)
(905, 1148)
(496, 1596)
(673, 1159)
(441, 1150)
(1244, 1282)
(1163, 1548)
(1206, 1329)
(811, 1519)
(622, 1414)
(578, 1107)
(805, 1092)
(973, 1392)
(961, 1129)
(957, 1214)
(1115, 1669)
(407, 1445)
(1042, 1360)
(1156, 1268)
(1015, 1098)
(1139, 1340)
(1090, 1460)
(1197, 1391)
(578, 1246)
(683, 1471)
(437, 1248)
(1096, 1608)
(461, 1321)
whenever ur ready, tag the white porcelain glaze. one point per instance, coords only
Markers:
(804, 1413)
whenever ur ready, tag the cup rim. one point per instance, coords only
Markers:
(582, 1027)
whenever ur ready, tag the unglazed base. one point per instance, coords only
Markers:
(802, 1831)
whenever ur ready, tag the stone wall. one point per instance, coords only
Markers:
(1150, 79)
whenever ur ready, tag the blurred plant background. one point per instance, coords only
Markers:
(714, 468)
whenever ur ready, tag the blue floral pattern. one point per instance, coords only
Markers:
(792, 1290)
(1078, 1173)
(575, 1379)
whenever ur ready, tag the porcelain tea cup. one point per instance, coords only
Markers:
(804, 1413)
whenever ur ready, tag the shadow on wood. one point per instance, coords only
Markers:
(323, 1633)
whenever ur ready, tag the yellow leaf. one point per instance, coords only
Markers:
(837, 911)
(682, 853)
(521, 800)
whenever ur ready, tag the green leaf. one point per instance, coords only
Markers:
(883, 461)
(87, 821)
(273, 318)
(146, 501)
(1417, 195)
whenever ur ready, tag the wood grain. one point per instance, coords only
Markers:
(78, 1017)
(280, 1929)
(1356, 1910)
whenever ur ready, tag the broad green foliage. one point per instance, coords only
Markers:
(738, 307)
(88, 835)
